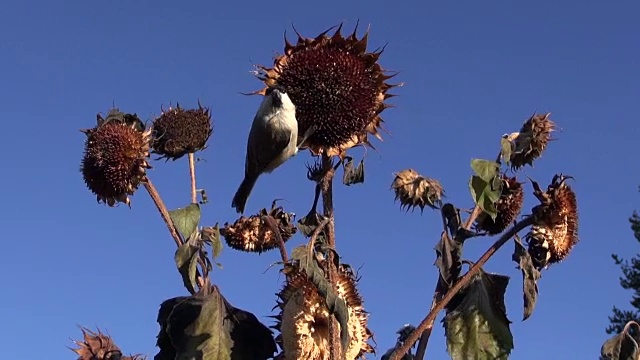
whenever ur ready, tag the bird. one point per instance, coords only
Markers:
(273, 139)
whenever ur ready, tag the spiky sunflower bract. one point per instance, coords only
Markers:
(414, 190)
(98, 346)
(532, 140)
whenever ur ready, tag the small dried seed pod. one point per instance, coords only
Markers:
(509, 206)
(178, 132)
(532, 140)
(303, 319)
(337, 87)
(98, 346)
(115, 160)
(555, 229)
(413, 189)
(253, 233)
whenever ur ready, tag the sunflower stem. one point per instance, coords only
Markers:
(164, 213)
(441, 286)
(192, 174)
(276, 231)
(330, 233)
(427, 323)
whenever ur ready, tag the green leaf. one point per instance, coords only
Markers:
(506, 147)
(623, 346)
(485, 193)
(530, 277)
(353, 175)
(315, 274)
(211, 236)
(476, 324)
(208, 327)
(186, 258)
(485, 169)
(186, 219)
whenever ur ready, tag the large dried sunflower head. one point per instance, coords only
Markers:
(253, 233)
(338, 88)
(303, 321)
(414, 190)
(115, 158)
(178, 132)
(555, 228)
(532, 140)
(509, 206)
(98, 346)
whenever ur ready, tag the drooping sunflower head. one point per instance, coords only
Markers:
(178, 132)
(414, 190)
(303, 320)
(338, 88)
(532, 140)
(555, 230)
(253, 233)
(115, 157)
(98, 346)
(508, 205)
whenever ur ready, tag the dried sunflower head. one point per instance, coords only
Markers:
(532, 140)
(413, 189)
(253, 233)
(115, 158)
(508, 206)
(338, 89)
(178, 132)
(303, 321)
(98, 346)
(555, 228)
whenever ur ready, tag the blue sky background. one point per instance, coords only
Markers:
(472, 71)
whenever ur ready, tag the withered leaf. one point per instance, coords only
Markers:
(186, 219)
(186, 258)
(352, 175)
(448, 254)
(204, 327)
(506, 147)
(308, 224)
(315, 274)
(476, 324)
(530, 277)
(623, 346)
(211, 236)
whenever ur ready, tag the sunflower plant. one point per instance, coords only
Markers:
(340, 90)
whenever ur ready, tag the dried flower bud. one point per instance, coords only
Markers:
(115, 158)
(509, 206)
(178, 132)
(303, 320)
(413, 189)
(98, 346)
(555, 230)
(253, 233)
(532, 140)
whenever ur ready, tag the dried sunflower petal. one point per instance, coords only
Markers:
(414, 190)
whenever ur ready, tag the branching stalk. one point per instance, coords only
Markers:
(461, 283)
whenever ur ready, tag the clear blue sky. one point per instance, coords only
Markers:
(472, 71)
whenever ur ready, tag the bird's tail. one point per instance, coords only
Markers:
(244, 190)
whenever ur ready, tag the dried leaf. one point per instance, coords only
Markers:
(208, 327)
(623, 346)
(186, 219)
(485, 193)
(352, 175)
(476, 324)
(448, 254)
(530, 277)
(211, 236)
(186, 258)
(308, 224)
(315, 274)
(506, 147)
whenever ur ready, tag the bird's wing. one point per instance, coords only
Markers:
(267, 145)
